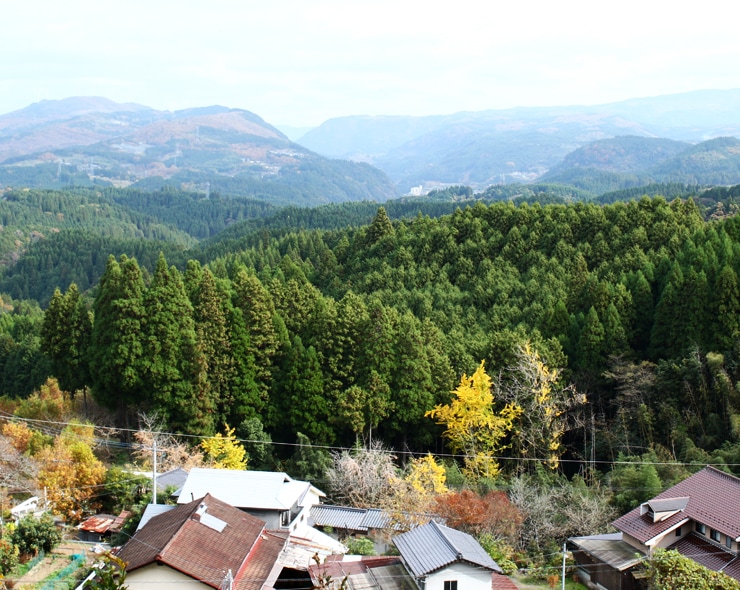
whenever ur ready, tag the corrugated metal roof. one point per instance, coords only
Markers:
(339, 517)
(433, 546)
(97, 524)
(266, 490)
(377, 519)
(364, 519)
(610, 549)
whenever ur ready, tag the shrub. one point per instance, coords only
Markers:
(33, 535)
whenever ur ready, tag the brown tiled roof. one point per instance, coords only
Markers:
(501, 582)
(260, 561)
(700, 550)
(188, 540)
(714, 500)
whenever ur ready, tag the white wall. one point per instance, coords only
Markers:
(160, 577)
(468, 578)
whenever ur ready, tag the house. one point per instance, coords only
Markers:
(205, 542)
(282, 502)
(697, 517)
(441, 558)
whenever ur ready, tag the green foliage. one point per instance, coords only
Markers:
(33, 535)
(308, 462)
(110, 575)
(8, 557)
(499, 552)
(669, 569)
(633, 481)
(360, 546)
(123, 489)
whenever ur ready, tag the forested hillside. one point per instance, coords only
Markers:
(351, 332)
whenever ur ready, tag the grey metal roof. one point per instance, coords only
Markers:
(433, 546)
(610, 549)
(151, 511)
(364, 519)
(378, 519)
(339, 517)
(668, 504)
(173, 478)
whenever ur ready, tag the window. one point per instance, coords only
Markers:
(728, 542)
(678, 532)
(701, 529)
(714, 535)
(451, 585)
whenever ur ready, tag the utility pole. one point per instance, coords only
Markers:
(154, 473)
(563, 566)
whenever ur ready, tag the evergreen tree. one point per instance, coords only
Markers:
(258, 311)
(117, 337)
(175, 371)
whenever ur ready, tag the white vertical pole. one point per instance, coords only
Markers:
(563, 566)
(154, 474)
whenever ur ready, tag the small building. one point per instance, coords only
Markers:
(100, 527)
(368, 573)
(441, 558)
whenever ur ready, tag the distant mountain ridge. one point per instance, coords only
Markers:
(628, 162)
(470, 148)
(90, 140)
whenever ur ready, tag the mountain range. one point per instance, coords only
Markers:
(92, 140)
(521, 144)
(95, 141)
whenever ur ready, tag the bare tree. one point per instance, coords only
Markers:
(362, 477)
(171, 452)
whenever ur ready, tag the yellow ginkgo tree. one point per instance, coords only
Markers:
(546, 408)
(224, 451)
(473, 427)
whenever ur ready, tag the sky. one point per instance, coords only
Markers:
(300, 62)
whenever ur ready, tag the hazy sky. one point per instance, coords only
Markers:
(299, 62)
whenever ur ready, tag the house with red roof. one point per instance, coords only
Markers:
(698, 517)
(206, 542)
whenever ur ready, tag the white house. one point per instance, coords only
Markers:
(441, 558)
(281, 501)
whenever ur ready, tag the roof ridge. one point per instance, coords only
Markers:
(723, 473)
(438, 527)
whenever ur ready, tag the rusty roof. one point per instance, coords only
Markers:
(204, 539)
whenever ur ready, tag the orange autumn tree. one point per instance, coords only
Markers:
(473, 427)
(493, 514)
(70, 472)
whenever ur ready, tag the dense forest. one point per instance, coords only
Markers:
(360, 330)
